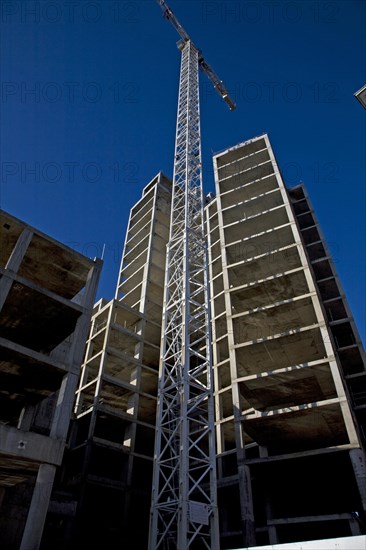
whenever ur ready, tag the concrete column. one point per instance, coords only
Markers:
(355, 527)
(26, 418)
(245, 486)
(2, 495)
(66, 397)
(14, 262)
(272, 531)
(246, 504)
(38, 508)
(64, 405)
(263, 451)
(359, 467)
(19, 250)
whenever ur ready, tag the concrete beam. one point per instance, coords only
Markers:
(37, 356)
(30, 446)
(309, 519)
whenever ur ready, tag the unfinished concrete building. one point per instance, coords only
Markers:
(288, 363)
(47, 293)
(103, 496)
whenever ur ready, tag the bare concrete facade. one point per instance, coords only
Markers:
(47, 293)
(288, 363)
(286, 357)
(104, 494)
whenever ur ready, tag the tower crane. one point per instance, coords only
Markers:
(184, 513)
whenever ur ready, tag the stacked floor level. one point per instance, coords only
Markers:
(106, 486)
(47, 293)
(290, 463)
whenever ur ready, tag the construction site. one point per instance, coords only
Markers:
(288, 364)
(217, 401)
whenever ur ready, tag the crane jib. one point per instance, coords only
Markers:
(206, 68)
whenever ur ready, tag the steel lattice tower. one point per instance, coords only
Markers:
(184, 506)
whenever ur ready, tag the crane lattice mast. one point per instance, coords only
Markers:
(184, 505)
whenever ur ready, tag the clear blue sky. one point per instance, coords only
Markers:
(88, 107)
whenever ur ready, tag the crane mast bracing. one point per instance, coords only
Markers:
(184, 508)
